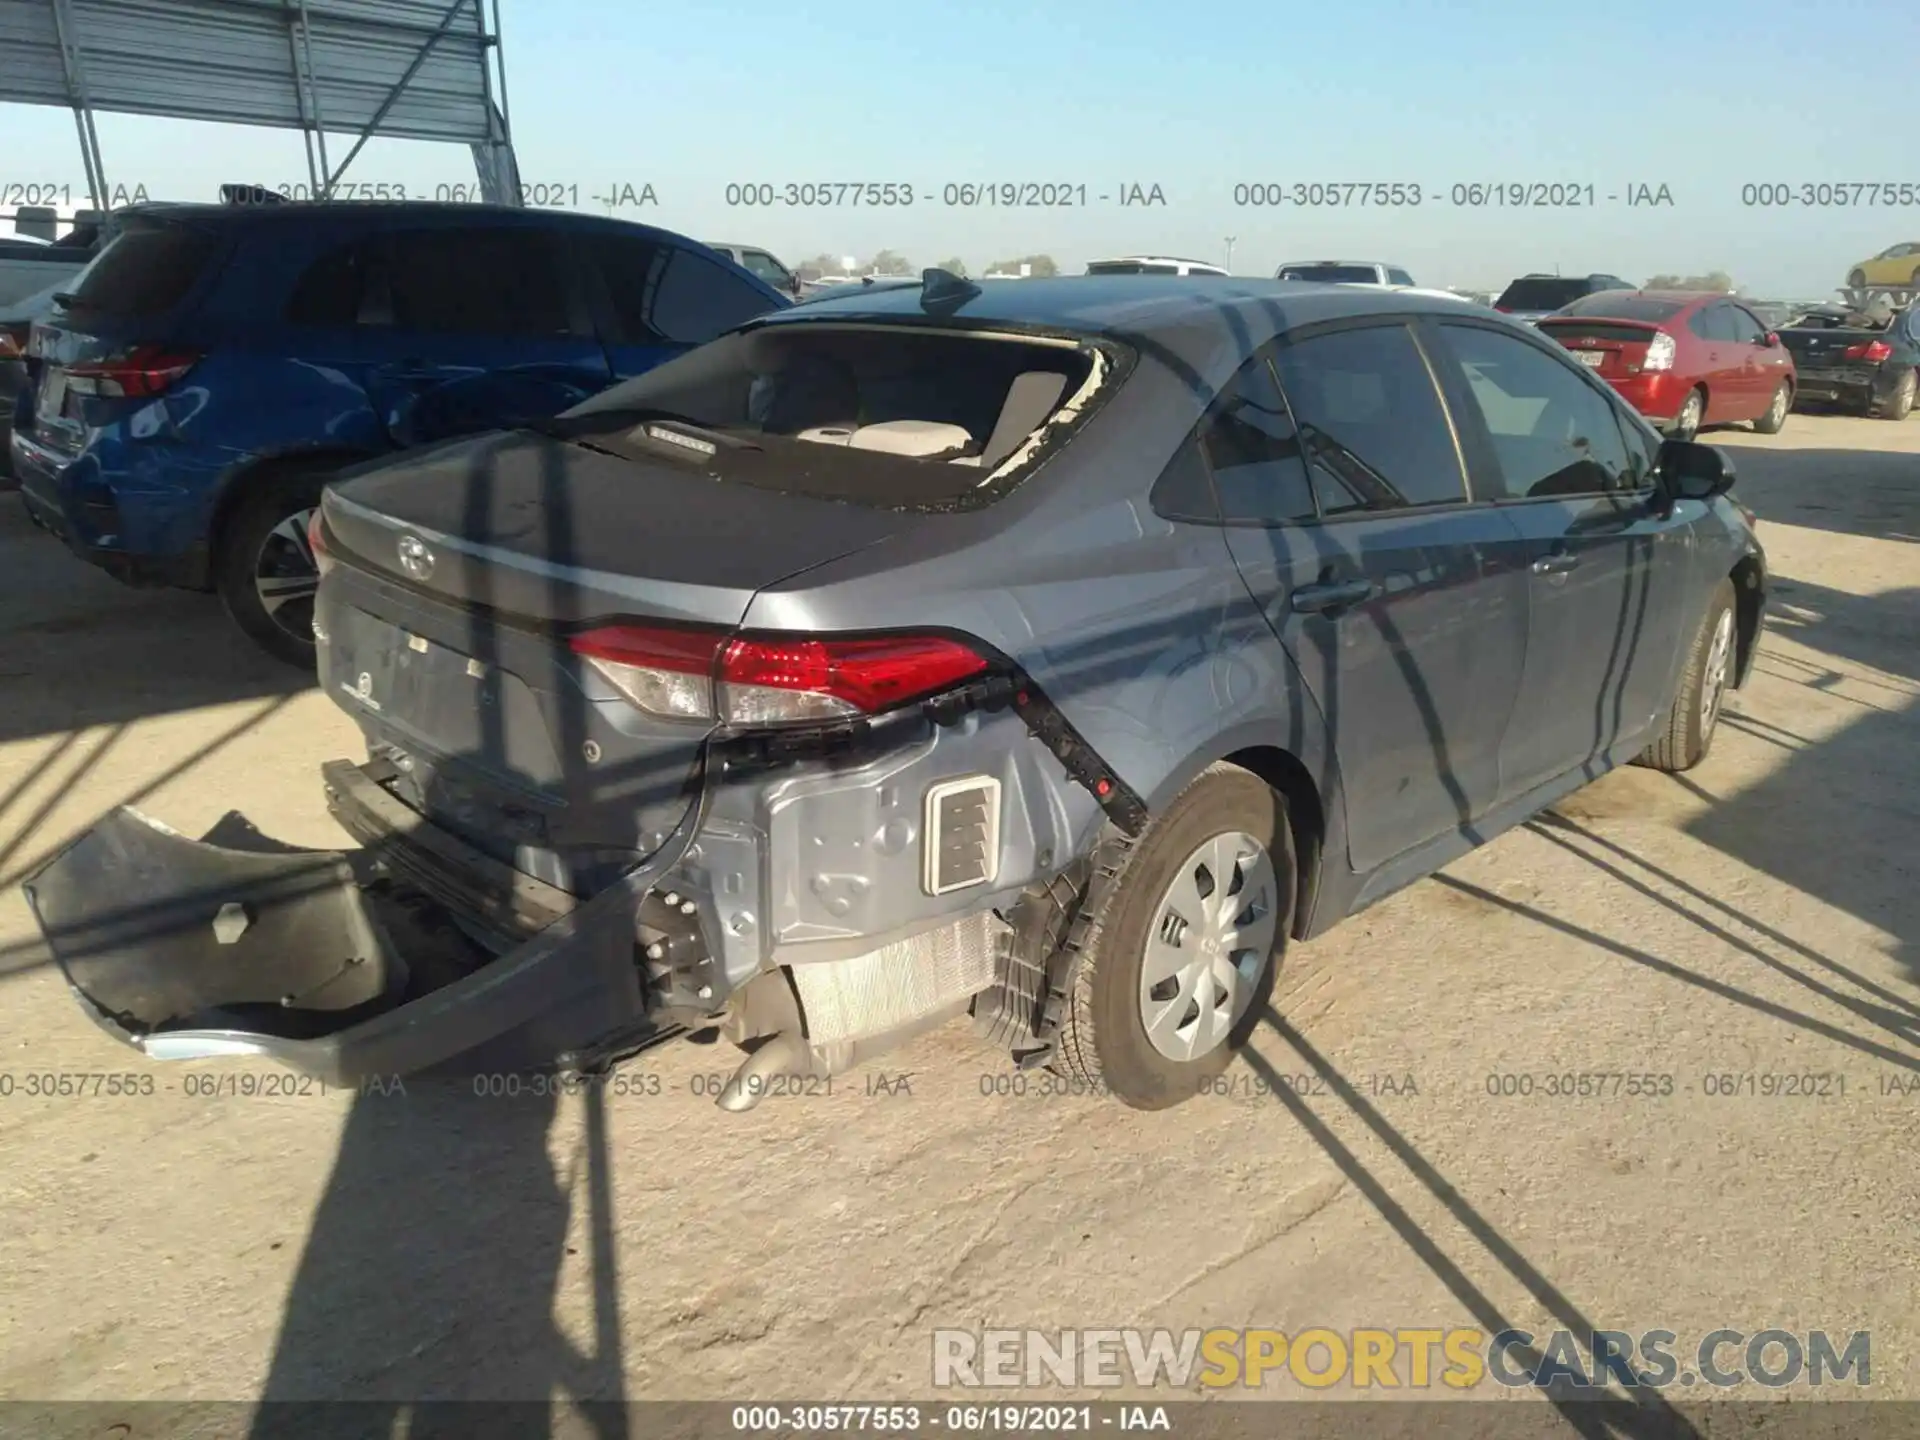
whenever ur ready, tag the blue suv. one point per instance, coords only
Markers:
(217, 364)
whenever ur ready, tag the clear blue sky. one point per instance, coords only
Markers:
(1701, 97)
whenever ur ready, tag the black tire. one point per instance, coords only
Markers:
(1683, 427)
(1899, 405)
(1103, 1041)
(1774, 418)
(1686, 734)
(251, 551)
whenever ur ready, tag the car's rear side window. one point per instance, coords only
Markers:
(147, 271)
(329, 294)
(1254, 452)
(1372, 426)
(504, 281)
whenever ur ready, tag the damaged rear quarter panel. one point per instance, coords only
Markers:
(1138, 629)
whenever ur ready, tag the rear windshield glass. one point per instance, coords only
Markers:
(1618, 305)
(895, 416)
(1541, 294)
(146, 271)
(1331, 274)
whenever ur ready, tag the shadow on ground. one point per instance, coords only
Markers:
(82, 650)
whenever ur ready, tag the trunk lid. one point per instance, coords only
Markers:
(1613, 349)
(1826, 349)
(541, 530)
(455, 575)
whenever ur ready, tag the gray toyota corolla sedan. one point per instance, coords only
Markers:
(1051, 653)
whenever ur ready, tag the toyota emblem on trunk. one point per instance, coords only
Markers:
(415, 558)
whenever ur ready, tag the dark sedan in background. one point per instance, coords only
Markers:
(1868, 363)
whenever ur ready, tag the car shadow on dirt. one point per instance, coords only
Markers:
(430, 1276)
(1589, 1411)
(78, 649)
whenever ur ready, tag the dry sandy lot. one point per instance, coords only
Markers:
(1761, 915)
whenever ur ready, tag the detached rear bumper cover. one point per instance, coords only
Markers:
(185, 950)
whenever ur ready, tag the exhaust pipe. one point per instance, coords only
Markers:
(785, 1054)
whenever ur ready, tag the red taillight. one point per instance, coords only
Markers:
(771, 679)
(143, 372)
(317, 540)
(1874, 350)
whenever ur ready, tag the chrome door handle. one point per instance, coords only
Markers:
(1558, 563)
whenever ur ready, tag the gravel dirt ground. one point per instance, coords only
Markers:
(1760, 916)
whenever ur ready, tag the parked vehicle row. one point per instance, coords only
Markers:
(216, 365)
(823, 684)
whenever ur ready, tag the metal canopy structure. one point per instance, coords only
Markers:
(409, 69)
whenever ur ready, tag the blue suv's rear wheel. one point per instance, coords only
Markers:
(266, 572)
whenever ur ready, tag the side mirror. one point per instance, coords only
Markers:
(1770, 340)
(1691, 471)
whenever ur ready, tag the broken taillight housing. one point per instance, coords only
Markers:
(1873, 350)
(771, 679)
(317, 541)
(140, 374)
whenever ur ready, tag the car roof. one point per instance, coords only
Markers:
(1125, 307)
(1376, 264)
(433, 212)
(737, 245)
(1151, 260)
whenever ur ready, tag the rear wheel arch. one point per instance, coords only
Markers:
(1748, 598)
(235, 489)
(1306, 815)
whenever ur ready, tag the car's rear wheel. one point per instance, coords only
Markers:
(1687, 733)
(1686, 424)
(267, 575)
(1899, 405)
(1180, 953)
(1775, 414)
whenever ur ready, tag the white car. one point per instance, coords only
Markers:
(1152, 265)
(1347, 272)
(762, 263)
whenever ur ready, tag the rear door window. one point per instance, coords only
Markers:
(504, 281)
(147, 271)
(1252, 449)
(1372, 426)
(332, 291)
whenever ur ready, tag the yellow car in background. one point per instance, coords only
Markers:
(1896, 265)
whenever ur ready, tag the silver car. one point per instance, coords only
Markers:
(1052, 654)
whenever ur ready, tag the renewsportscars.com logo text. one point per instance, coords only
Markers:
(1459, 1359)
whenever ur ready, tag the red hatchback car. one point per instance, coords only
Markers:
(1680, 358)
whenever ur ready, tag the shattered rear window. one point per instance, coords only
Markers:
(889, 415)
